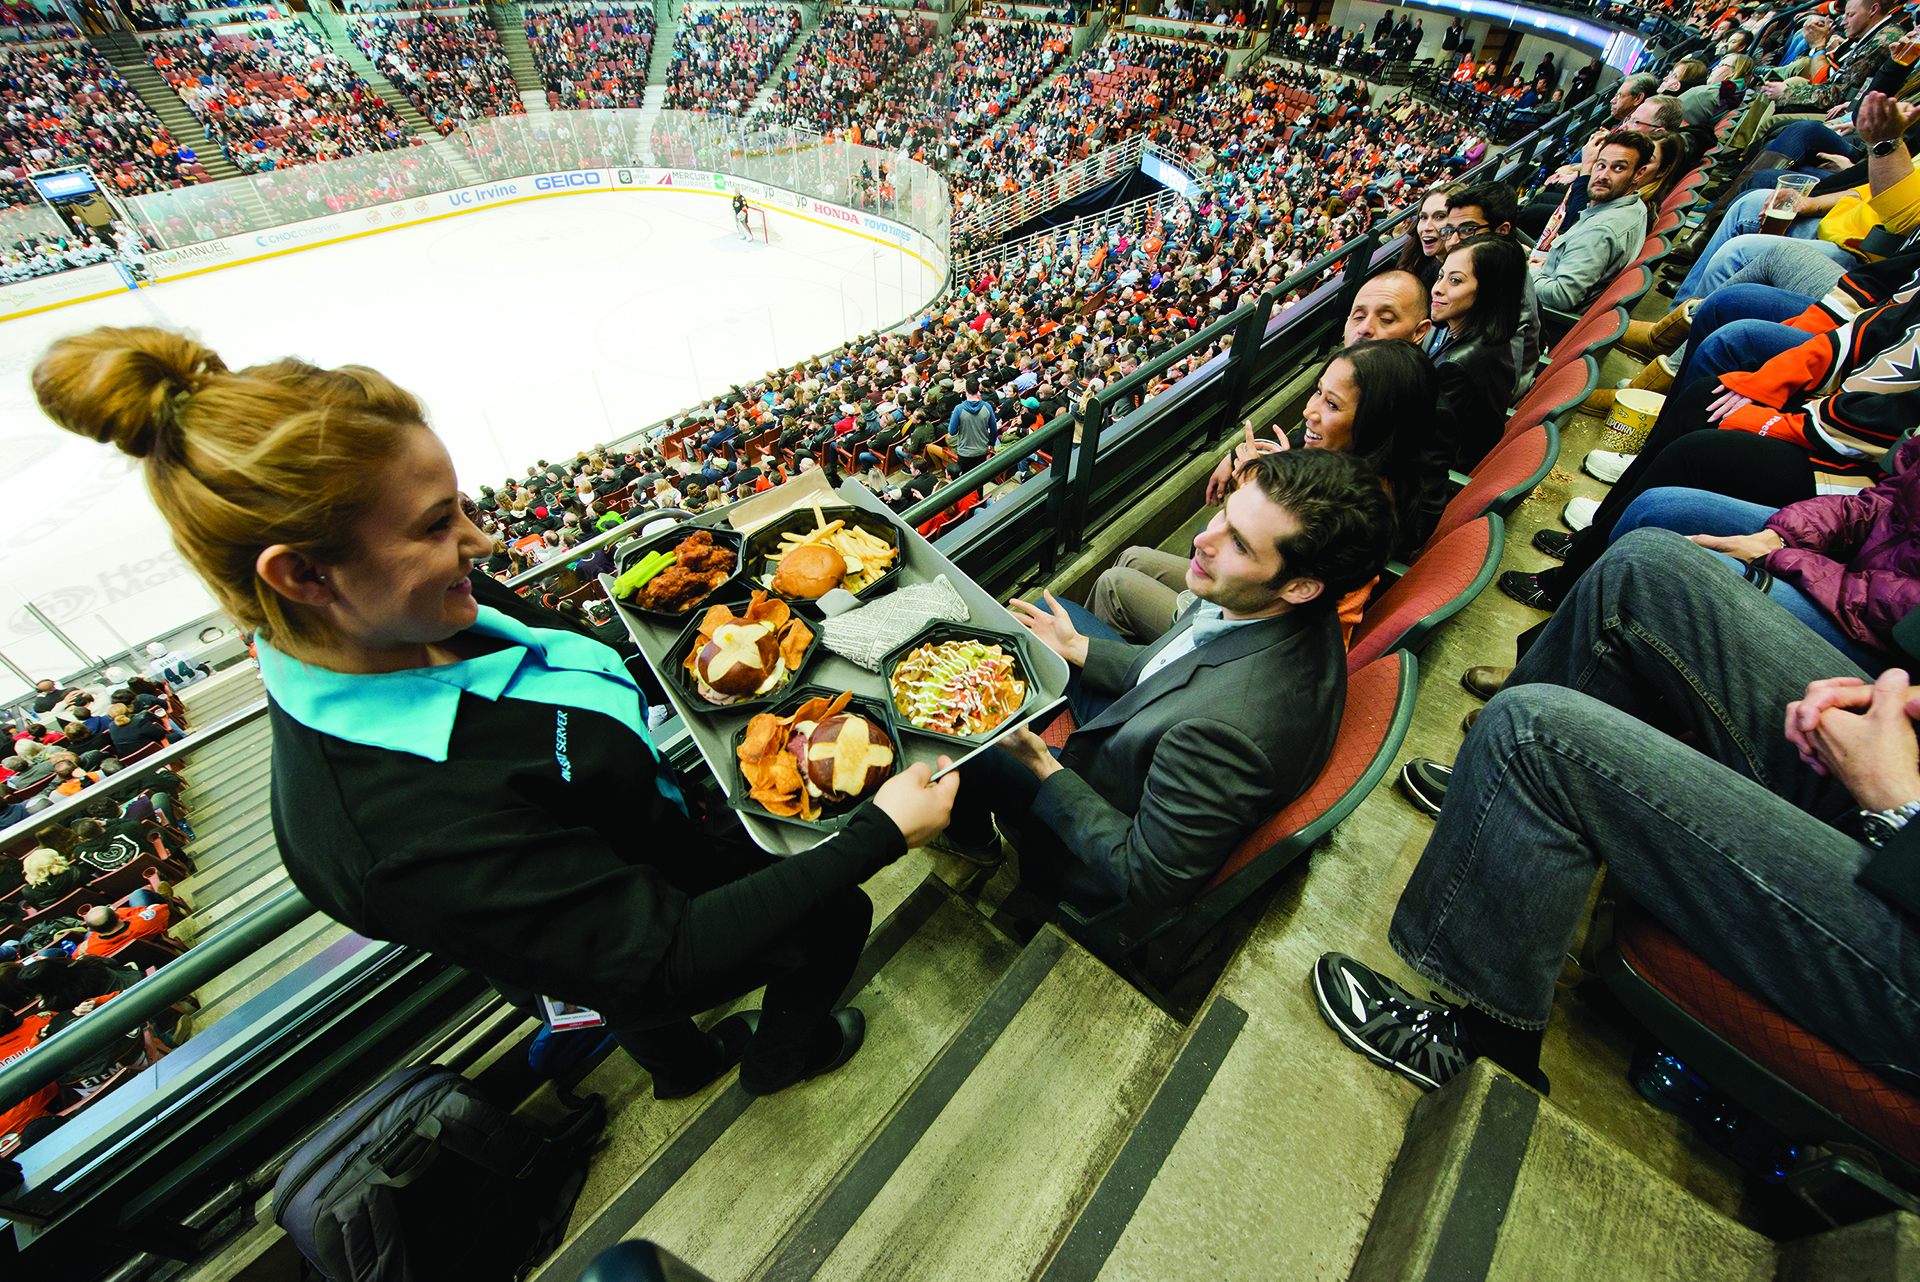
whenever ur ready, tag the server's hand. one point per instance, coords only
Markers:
(918, 807)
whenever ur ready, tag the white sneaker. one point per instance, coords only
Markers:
(1578, 513)
(1605, 465)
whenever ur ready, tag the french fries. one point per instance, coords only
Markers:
(867, 557)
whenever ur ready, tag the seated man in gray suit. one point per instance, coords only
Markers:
(1185, 746)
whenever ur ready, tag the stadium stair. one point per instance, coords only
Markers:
(996, 1085)
(333, 30)
(510, 20)
(778, 76)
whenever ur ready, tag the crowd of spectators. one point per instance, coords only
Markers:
(1104, 96)
(87, 907)
(23, 22)
(277, 99)
(592, 56)
(840, 65)
(450, 66)
(66, 105)
(722, 56)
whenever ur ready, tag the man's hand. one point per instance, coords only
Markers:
(1773, 89)
(1804, 714)
(1052, 628)
(1726, 403)
(1741, 547)
(919, 808)
(1031, 751)
(1874, 754)
(1881, 118)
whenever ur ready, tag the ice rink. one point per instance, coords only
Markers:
(528, 331)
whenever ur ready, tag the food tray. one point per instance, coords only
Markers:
(760, 555)
(712, 732)
(677, 661)
(875, 710)
(1019, 643)
(665, 541)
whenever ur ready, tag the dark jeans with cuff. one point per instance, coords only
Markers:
(1731, 844)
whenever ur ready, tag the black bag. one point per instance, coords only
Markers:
(421, 1178)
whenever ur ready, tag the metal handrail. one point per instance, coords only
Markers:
(107, 1027)
(121, 781)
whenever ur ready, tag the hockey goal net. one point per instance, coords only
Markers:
(756, 220)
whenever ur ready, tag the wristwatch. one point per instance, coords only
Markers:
(1885, 147)
(1878, 826)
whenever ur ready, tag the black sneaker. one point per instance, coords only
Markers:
(1527, 590)
(1555, 543)
(1421, 1041)
(1424, 781)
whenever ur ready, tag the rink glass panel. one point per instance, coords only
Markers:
(797, 160)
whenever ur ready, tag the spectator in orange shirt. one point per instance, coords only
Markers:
(109, 929)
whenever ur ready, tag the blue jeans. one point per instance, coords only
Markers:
(1806, 140)
(995, 784)
(1737, 240)
(1809, 267)
(1737, 328)
(1730, 844)
(1703, 512)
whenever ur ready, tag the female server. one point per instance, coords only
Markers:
(455, 768)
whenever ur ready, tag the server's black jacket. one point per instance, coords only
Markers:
(571, 878)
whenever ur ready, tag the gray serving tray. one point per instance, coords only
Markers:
(713, 732)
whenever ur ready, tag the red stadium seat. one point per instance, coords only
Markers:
(1503, 478)
(1594, 335)
(1151, 946)
(1804, 1086)
(1553, 396)
(1448, 575)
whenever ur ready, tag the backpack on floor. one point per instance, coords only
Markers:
(421, 1178)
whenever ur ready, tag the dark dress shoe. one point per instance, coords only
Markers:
(1424, 782)
(1525, 588)
(731, 1036)
(1555, 543)
(852, 1027)
(1485, 681)
(1466, 722)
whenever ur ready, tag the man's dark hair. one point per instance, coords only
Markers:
(1633, 140)
(1346, 520)
(1496, 200)
(973, 384)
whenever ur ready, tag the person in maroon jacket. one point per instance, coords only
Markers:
(1846, 565)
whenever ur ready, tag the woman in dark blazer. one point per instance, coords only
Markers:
(1475, 308)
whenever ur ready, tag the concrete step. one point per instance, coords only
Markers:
(666, 29)
(1494, 1182)
(534, 100)
(778, 76)
(510, 20)
(650, 1143)
(980, 1169)
(763, 1173)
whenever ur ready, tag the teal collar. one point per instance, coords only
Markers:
(413, 711)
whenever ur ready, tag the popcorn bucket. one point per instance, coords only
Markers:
(1634, 410)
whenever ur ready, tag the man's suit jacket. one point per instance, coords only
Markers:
(1163, 785)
